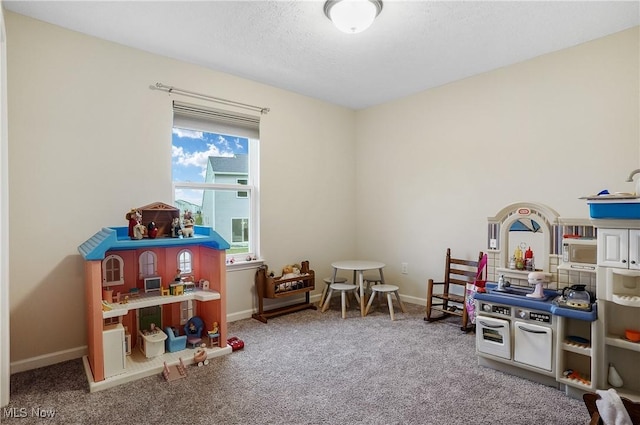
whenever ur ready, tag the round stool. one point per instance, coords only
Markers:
(388, 289)
(327, 280)
(344, 289)
(372, 279)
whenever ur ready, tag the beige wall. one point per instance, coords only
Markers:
(432, 167)
(88, 140)
(399, 182)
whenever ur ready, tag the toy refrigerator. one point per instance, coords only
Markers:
(114, 350)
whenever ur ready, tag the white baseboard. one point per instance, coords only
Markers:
(314, 299)
(47, 359)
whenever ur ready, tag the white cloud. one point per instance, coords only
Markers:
(191, 134)
(189, 195)
(238, 144)
(200, 158)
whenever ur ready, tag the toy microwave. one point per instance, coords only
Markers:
(579, 253)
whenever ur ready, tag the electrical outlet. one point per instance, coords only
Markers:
(404, 268)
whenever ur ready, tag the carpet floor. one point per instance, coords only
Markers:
(309, 368)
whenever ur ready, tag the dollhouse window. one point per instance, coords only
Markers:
(112, 271)
(184, 261)
(147, 263)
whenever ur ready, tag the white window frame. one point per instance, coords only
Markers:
(186, 265)
(105, 271)
(239, 261)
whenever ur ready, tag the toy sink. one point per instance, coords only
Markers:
(615, 208)
(512, 290)
(519, 292)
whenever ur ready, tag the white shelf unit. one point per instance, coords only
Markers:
(618, 292)
(579, 357)
(623, 354)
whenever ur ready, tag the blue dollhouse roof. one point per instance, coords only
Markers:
(116, 238)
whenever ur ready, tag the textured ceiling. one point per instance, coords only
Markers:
(412, 45)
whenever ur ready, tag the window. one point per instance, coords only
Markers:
(147, 264)
(184, 261)
(240, 230)
(112, 271)
(242, 193)
(215, 172)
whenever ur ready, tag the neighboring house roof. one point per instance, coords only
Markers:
(238, 164)
(116, 238)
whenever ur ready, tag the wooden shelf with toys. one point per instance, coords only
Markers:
(293, 281)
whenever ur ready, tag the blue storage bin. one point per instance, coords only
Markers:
(620, 210)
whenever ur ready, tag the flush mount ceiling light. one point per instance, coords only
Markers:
(352, 16)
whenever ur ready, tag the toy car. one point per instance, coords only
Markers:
(235, 343)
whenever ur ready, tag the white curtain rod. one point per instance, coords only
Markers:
(171, 89)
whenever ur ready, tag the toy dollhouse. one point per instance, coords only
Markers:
(127, 285)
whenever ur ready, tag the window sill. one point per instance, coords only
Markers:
(244, 265)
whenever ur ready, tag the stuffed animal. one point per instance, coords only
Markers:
(176, 229)
(289, 271)
(137, 230)
(187, 222)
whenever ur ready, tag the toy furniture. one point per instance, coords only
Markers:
(114, 355)
(358, 267)
(173, 372)
(456, 272)
(112, 245)
(161, 214)
(277, 287)
(386, 289)
(371, 279)
(151, 343)
(345, 289)
(193, 331)
(174, 342)
(327, 283)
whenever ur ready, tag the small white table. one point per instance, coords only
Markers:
(152, 344)
(358, 267)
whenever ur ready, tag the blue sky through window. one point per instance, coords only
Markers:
(191, 150)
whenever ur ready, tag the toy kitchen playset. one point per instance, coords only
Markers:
(565, 306)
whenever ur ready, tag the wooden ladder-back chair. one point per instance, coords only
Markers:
(633, 409)
(457, 273)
